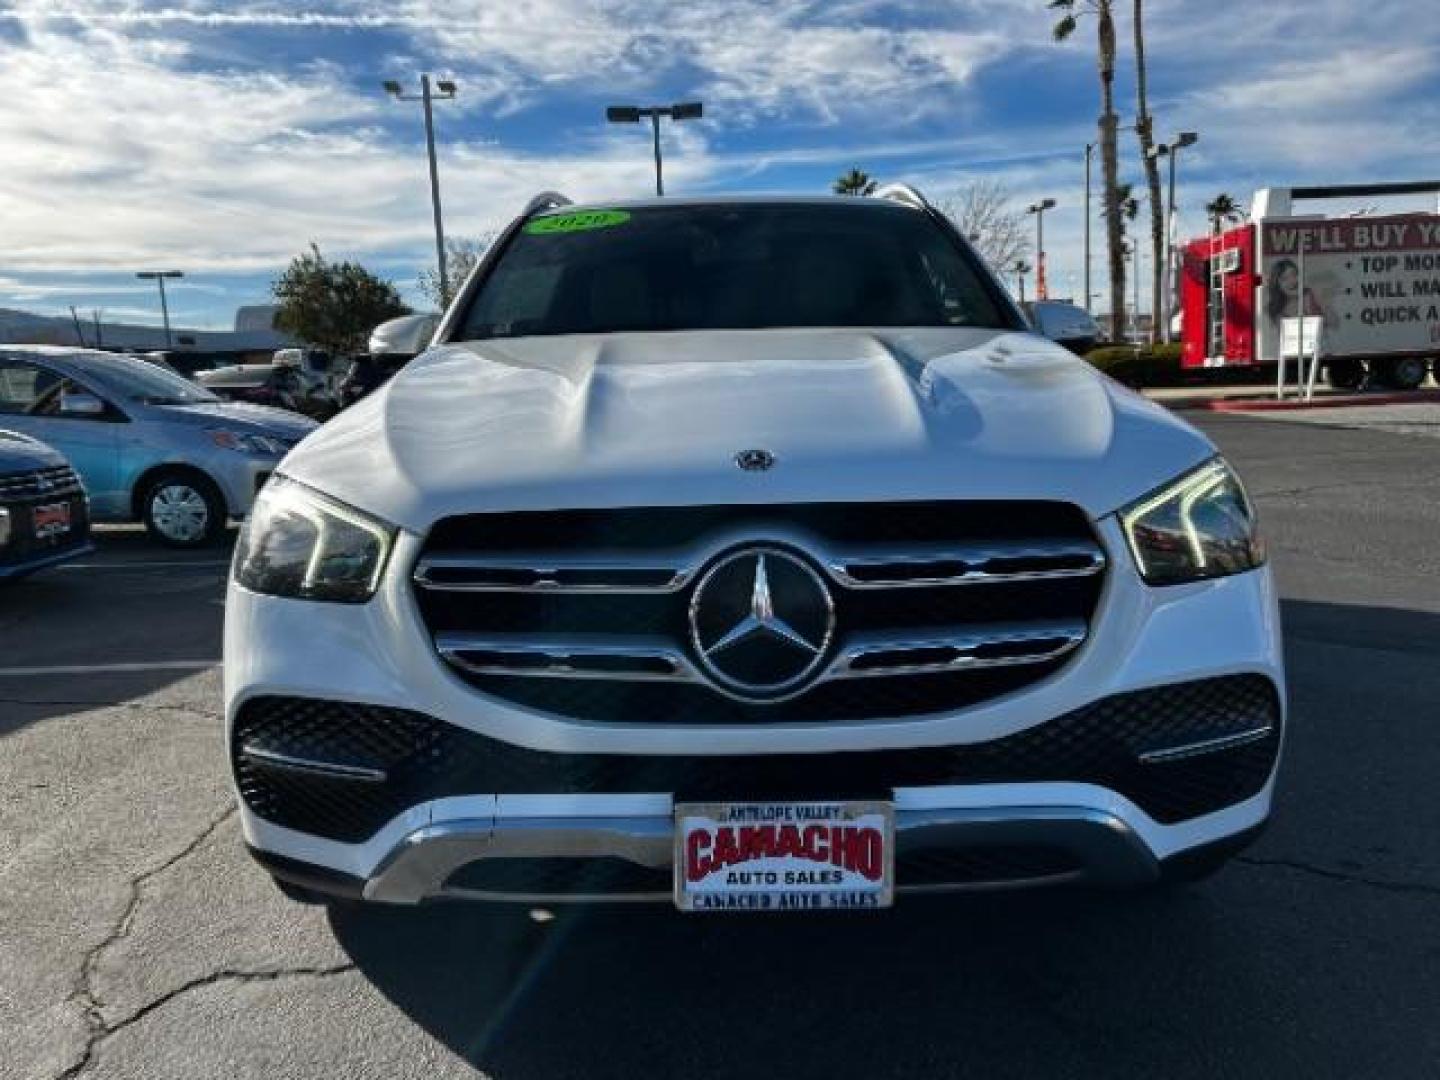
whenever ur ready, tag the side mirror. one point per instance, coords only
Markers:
(80, 403)
(408, 335)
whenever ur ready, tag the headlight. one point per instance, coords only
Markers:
(4, 527)
(1201, 526)
(247, 442)
(299, 543)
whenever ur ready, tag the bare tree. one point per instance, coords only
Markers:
(981, 212)
(461, 255)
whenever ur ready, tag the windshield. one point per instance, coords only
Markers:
(748, 266)
(136, 380)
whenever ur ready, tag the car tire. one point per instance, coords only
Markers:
(1403, 372)
(183, 510)
(1345, 374)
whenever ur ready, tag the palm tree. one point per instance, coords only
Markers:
(1222, 210)
(854, 182)
(1021, 269)
(1145, 132)
(1073, 10)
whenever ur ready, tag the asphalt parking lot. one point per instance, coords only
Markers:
(136, 939)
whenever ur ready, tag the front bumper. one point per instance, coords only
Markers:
(379, 655)
(240, 477)
(31, 563)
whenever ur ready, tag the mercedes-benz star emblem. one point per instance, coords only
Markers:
(755, 460)
(761, 620)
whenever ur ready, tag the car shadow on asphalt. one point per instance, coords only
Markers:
(648, 992)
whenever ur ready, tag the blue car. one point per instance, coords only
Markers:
(149, 445)
(44, 516)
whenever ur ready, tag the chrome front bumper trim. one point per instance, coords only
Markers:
(418, 867)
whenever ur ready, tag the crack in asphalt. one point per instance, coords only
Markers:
(84, 992)
(1408, 887)
(225, 975)
(1309, 489)
(145, 706)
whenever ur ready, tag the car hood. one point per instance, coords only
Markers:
(657, 419)
(239, 415)
(20, 453)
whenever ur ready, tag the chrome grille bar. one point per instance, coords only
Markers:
(593, 572)
(648, 659)
(58, 481)
(999, 561)
(633, 659)
(669, 572)
(1206, 746)
(958, 650)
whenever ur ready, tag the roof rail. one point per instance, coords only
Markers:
(903, 193)
(546, 200)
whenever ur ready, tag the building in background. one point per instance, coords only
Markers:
(253, 340)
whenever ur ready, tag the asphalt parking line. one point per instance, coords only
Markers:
(112, 669)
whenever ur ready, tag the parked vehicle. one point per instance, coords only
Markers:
(1367, 287)
(752, 554)
(316, 366)
(367, 373)
(281, 386)
(44, 516)
(1064, 323)
(149, 446)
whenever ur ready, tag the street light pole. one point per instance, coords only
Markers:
(427, 96)
(633, 114)
(1172, 150)
(1089, 152)
(159, 276)
(1042, 285)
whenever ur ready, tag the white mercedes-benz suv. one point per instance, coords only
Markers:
(751, 554)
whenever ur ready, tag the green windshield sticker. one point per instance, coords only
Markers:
(577, 222)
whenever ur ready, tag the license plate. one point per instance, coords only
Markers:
(51, 521)
(811, 856)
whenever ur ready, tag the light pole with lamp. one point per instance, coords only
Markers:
(444, 91)
(1172, 151)
(1042, 287)
(159, 276)
(632, 114)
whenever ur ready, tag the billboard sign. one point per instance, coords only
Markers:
(1374, 281)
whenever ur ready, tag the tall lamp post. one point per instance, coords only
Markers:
(444, 91)
(633, 114)
(1172, 151)
(159, 277)
(1042, 285)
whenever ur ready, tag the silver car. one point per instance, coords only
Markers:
(149, 445)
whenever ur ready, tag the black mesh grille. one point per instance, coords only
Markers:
(642, 530)
(424, 758)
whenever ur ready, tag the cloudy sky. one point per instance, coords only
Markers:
(221, 137)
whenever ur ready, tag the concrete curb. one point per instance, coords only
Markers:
(1404, 397)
